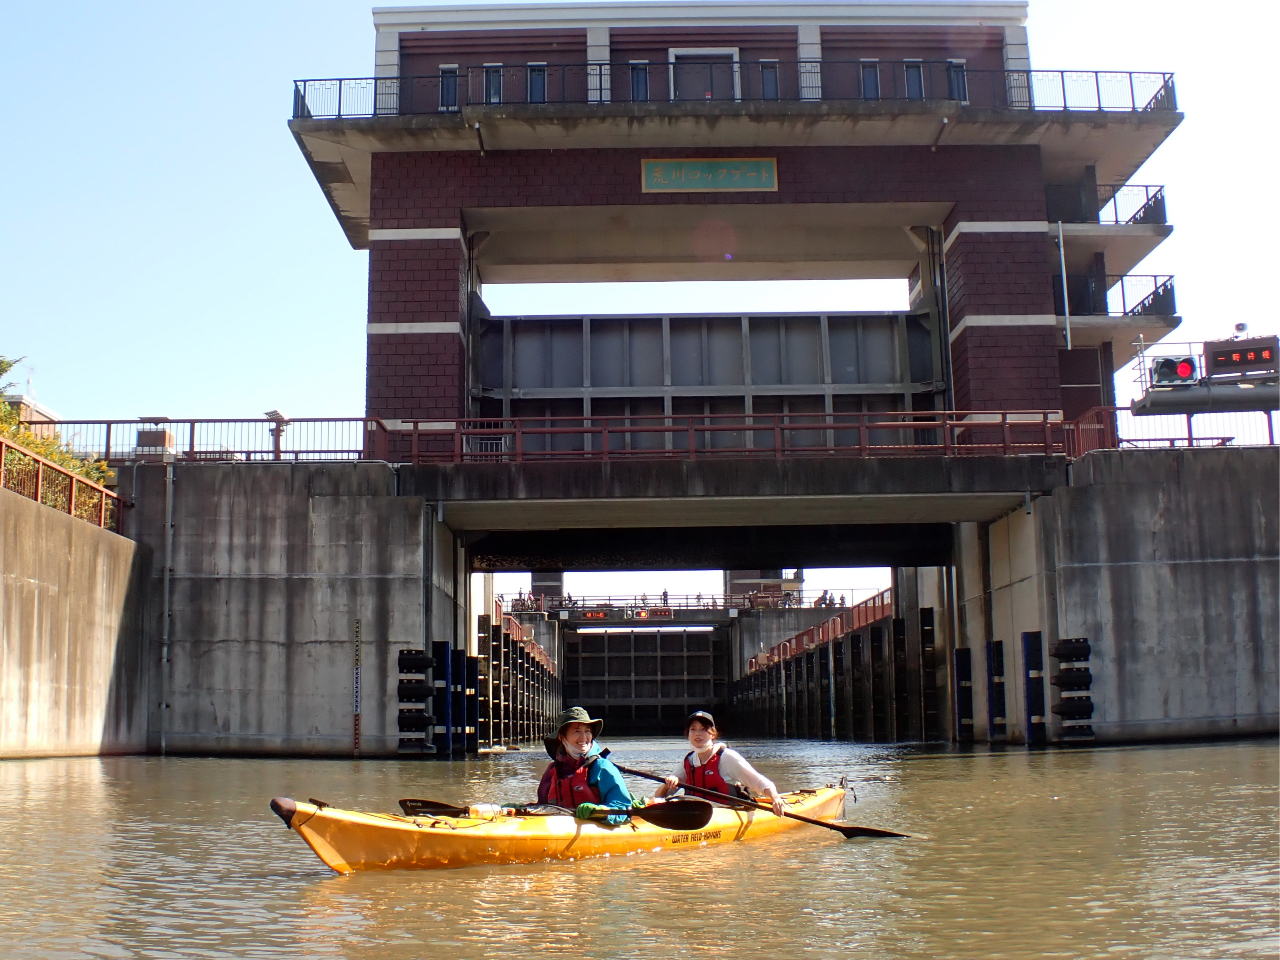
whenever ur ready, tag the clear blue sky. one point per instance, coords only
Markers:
(165, 249)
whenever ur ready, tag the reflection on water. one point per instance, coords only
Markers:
(1147, 852)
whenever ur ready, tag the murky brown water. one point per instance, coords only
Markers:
(1144, 852)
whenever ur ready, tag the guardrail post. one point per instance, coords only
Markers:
(4, 455)
(693, 442)
(1005, 431)
(946, 434)
(1048, 435)
(71, 498)
(457, 444)
(519, 443)
(777, 437)
(862, 434)
(106, 452)
(604, 440)
(39, 482)
(191, 441)
(102, 510)
(413, 443)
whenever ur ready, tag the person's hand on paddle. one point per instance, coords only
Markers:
(672, 784)
(776, 800)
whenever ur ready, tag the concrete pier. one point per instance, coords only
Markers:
(73, 664)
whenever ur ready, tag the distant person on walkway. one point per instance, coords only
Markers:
(664, 598)
(713, 766)
(578, 778)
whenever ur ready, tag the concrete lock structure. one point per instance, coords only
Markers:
(1055, 580)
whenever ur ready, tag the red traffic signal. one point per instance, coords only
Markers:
(1173, 370)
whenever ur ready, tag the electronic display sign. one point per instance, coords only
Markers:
(1257, 355)
(595, 614)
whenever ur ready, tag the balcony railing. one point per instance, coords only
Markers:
(1131, 295)
(726, 82)
(1118, 204)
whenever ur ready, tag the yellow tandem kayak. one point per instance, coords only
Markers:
(348, 840)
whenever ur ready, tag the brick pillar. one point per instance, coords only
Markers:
(417, 322)
(1004, 335)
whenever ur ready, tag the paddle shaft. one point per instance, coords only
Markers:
(691, 814)
(846, 831)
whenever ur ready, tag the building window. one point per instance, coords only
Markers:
(870, 80)
(537, 83)
(769, 80)
(915, 80)
(448, 87)
(493, 83)
(957, 83)
(639, 81)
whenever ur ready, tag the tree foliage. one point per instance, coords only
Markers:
(46, 443)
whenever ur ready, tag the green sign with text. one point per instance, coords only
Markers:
(714, 176)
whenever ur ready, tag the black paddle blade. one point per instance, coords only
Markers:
(677, 814)
(431, 808)
(850, 832)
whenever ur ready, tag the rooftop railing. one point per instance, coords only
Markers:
(724, 82)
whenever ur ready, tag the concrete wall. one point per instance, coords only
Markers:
(72, 673)
(273, 564)
(1169, 562)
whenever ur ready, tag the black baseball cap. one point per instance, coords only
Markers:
(706, 719)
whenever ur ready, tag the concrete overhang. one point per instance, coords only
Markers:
(1124, 245)
(1121, 332)
(732, 492)
(698, 242)
(339, 151)
(625, 512)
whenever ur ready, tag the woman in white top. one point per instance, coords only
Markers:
(713, 766)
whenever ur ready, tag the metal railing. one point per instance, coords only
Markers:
(860, 615)
(1118, 204)
(1130, 295)
(721, 81)
(890, 433)
(43, 481)
(541, 439)
(1112, 428)
(1131, 204)
(755, 600)
(211, 441)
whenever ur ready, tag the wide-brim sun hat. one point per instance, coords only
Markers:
(572, 715)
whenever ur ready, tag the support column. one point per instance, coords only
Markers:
(1004, 336)
(419, 287)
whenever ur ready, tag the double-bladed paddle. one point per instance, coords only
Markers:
(684, 814)
(847, 830)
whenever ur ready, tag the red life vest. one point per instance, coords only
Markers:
(707, 775)
(572, 790)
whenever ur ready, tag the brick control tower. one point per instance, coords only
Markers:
(730, 141)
